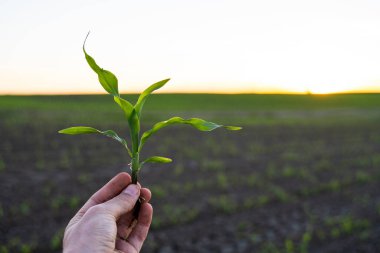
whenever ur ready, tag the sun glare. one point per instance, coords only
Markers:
(327, 89)
(338, 88)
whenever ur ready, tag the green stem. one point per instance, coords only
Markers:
(134, 130)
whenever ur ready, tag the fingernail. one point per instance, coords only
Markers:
(132, 189)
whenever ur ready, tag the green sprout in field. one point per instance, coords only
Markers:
(133, 114)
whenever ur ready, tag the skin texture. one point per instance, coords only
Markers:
(106, 218)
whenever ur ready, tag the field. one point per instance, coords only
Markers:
(302, 176)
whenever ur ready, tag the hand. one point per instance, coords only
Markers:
(105, 220)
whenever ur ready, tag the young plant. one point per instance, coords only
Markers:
(133, 114)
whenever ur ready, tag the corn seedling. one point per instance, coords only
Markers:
(133, 114)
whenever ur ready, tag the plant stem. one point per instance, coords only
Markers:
(135, 164)
(134, 126)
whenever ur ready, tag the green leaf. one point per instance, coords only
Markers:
(199, 124)
(157, 159)
(112, 134)
(143, 96)
(233, 128)
(106, 78)
(134, 125)
(125, 106)
(133, 121)
(78, 130)
(90, 130)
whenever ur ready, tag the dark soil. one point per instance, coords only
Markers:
(264, 189)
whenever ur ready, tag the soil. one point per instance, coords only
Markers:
(265, 189)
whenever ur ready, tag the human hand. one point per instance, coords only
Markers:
(105, 219)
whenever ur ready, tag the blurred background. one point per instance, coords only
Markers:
(301, 77)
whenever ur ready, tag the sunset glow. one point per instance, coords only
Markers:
(223, 46)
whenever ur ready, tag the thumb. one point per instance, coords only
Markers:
(124, 202)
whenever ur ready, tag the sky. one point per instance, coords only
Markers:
(222, 46)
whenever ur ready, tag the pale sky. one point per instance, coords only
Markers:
(202, 45)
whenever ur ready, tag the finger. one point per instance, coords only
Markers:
(136, 238)
(140, 232)
(123, 246)
(107, 192)
(124, 223)
(124, 202)
(145, 194)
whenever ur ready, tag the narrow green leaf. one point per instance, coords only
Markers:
(90, 130)
(78, 130)
(134, 125)
(233, 128)
(143, 96)
(106, 78)
(199, 124)
(157, 159)
(133, 121)
(112, 134)
(125, 106)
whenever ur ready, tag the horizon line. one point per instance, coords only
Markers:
(189, 93)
